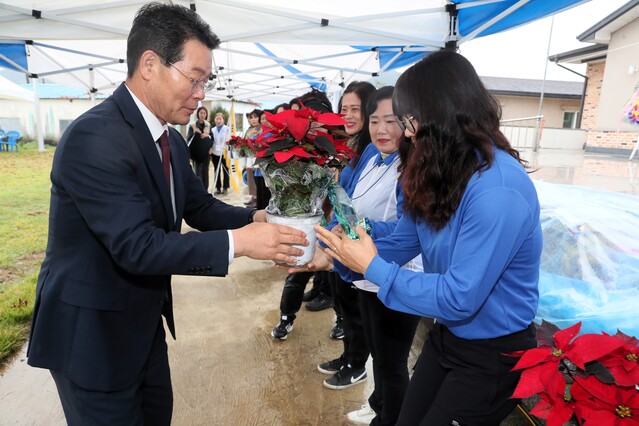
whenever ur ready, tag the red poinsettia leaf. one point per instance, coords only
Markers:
(542, 409)
(297, 127)
(279, 120)
(563, 338)
(560, 414)
(331, 119)
(533, 357)
(261, 153)
(625, 377)
(590, 347)
(545, 332)
(529, 384)
(591, 387)
(283, 156)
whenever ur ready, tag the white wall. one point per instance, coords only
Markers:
(522, 137)
(618, 83)
(20, 116)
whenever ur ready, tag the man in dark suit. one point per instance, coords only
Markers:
(117, 203)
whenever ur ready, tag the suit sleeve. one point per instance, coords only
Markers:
(106, 177)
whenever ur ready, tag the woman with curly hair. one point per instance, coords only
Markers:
(472, 211)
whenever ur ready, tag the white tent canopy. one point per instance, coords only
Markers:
(11, 91)
(270, 51)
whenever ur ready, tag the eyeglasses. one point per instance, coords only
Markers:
(206, 84)
(406, 122)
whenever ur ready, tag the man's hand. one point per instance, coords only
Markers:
(267, 241)
(321, 262)
(355, 255)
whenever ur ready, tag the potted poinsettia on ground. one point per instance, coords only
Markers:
(298, 153)
(590, 379)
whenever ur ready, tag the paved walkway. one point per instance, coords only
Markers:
(226, 368)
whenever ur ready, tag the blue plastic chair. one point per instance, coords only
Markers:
(4, 144)
(13, 140)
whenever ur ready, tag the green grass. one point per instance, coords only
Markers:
(24, 208)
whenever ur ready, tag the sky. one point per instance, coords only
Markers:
(522, 52)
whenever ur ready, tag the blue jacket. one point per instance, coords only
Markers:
(481, 271)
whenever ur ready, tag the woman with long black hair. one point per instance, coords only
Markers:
(472, 211)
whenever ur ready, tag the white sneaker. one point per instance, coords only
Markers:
(363, 416)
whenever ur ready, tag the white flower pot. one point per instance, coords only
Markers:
(304, 224)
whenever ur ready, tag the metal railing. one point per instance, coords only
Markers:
(523, 133)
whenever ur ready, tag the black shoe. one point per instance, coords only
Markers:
(332, 366)
(310, 295)
(346, 377)
(218, 192)
(320, 303)
(225, 191)
(338, 330)
(282, 329)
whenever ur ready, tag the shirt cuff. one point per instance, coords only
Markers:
(231, 247)
(377, 271)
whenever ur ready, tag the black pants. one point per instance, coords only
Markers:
(389, 336)
(147, 401)
(293, 291)
(464, 381)
(201, 170)
(346, 298)
(262, 192)
(219, 165)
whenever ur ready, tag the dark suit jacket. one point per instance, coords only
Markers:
(113, 245)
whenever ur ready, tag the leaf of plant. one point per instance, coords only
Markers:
(325, 143)
(280, 145)
(600, 371)
(545, 331)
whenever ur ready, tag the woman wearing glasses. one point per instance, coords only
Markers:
(472, 211)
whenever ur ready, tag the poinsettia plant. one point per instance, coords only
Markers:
(241, 146)
(298, 152)
(591, 379)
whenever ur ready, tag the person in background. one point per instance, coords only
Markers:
(294, 285)
(281, 107)
(376, 194)
(349, 368)
(121, 185)
(221, 134)
(251, 133)
(294, 103)
(472, 211)
(200, 146)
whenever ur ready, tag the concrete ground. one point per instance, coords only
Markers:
(226, 368)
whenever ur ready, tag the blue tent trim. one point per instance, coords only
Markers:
(472, 18)
(319, 86)
(16, 52)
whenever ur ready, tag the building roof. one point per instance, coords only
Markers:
(600, 34)
(60, 91)
(527, 87)
(601, 31)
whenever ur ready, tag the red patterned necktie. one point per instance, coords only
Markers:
(166, 156)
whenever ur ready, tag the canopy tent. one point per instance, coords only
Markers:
(269, 52)
(13, 92)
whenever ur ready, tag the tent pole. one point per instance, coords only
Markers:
(92, 85)
(537, 134)
(38, 115)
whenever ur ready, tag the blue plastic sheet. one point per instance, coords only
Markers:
(590, 259)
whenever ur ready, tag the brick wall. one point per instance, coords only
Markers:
(595, 73)
(597, 140)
